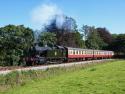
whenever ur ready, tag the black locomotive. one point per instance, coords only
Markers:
(45, 55)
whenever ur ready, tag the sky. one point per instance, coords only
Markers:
(34, 13)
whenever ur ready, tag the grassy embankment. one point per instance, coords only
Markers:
(106, 78)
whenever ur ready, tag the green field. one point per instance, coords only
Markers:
(107, 78)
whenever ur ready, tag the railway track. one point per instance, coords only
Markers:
(44, 67)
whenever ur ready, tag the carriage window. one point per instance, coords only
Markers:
(103, 53)
(79, 52)
(89, 52)
(96, 53)
(82, 52)
(76, 52)
(73, 51)
(100, 53)
(85, 52)
(69, 52)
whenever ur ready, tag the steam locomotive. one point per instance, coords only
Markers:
(59, 54)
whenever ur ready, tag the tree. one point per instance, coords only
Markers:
(66, 31)
(85, 31)
(47, 38)
(105, 35)
(118, 44)
(94, 41)
(15, 42)
(78, 40)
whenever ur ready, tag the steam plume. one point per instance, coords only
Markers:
(43, 14)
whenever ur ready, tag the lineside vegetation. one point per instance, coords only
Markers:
(104, 78)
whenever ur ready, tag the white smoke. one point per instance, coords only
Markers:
(43, 14)
(60, 19)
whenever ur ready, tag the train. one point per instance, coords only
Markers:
(60, 54)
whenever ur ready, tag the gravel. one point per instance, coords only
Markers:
(44, 67)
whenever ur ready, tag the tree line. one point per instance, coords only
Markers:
(16, 41)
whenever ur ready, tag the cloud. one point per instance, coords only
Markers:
(42, 14)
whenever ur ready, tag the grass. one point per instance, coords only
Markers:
(106, 78)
